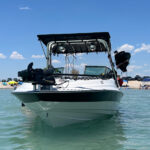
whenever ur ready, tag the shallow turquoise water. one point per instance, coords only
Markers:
(128, 130)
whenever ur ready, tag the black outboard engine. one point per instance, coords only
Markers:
(122, 60)
(37, 76)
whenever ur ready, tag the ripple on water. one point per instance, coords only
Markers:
(129, 130)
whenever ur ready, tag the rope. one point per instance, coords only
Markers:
(43, 49)
(66, 63)
(62, 83)
(70, 63)
(48, 81)
(74, 59)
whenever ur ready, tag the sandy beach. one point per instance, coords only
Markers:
(131, 84)
(5, 86)
(136, 84)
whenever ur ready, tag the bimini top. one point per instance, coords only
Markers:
(77, 42)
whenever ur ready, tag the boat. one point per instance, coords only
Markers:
(62, 99)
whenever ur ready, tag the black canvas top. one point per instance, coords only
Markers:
(78, 47)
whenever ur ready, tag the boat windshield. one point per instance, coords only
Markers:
(96, 70)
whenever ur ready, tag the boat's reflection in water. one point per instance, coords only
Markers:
(106, 134)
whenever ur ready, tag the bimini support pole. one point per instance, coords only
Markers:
(49, 54)
(112, 66)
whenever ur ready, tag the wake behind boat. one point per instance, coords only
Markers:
(63, 98)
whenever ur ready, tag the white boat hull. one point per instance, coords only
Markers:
(64, 113)
(79, 101)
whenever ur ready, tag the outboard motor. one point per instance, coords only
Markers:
(37, 76)
(122, 60)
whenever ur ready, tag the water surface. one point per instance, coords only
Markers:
(128, 130)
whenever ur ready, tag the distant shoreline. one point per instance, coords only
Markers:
(130, 84)
(136, 84)
(5, 86)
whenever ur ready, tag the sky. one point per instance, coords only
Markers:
(127, 21)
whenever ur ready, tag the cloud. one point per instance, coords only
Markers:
(146, 70)
(133, 62)
(16, 55)
(82, 65)
(37, 56)
(145, 65)
(132, 68)
(55, 61)
(24, 8)
(144, 47)
(2, 56)
(126, 47)
(80, 55)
